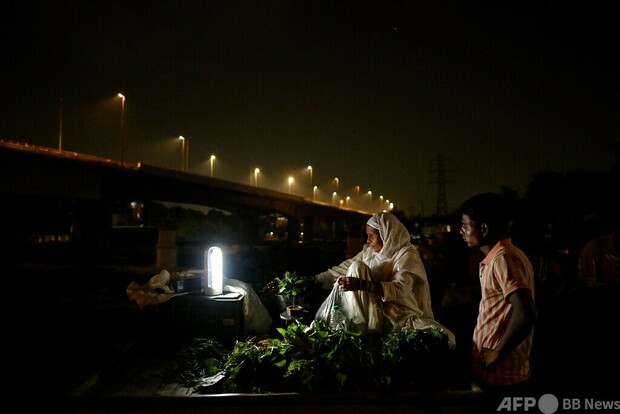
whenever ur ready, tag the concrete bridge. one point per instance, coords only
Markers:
(37, 178)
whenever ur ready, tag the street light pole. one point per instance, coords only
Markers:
(187, 155)
(290, 181)
(120, 95)
(256, 171)
(60, 129)
(311, 180)
(212, 159)
(182, 152)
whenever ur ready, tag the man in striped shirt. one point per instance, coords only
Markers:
(502, 338)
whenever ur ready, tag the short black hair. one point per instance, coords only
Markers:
(490, 208)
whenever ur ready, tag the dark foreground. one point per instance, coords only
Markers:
(77, 344)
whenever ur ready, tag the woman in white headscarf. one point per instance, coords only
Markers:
(384, 286)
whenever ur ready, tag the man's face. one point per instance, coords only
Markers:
(469, 231)
(373, 238)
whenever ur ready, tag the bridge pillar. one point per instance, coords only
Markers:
(293, 228)
(307, 227)
(167, 250)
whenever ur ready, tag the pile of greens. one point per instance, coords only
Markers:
(314, 359)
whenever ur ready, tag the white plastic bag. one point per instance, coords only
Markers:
(323, 314)
(256, 319)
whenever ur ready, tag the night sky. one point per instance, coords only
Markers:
(373, 93)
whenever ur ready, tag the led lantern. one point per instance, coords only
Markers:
(215, 269)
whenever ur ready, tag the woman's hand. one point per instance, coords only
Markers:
(347, 283)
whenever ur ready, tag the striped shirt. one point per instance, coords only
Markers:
(504, 270)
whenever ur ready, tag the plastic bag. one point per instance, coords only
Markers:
(256, 318)
(323, 314)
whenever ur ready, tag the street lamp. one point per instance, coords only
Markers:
(212, 160)
(314, 192)
(334, 197)
(120, 95)
(256, 171)
(310, 171)
(369, 199)
(290, 182)
(337, 181)
(182, 152)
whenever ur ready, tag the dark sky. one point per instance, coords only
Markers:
(370, 92)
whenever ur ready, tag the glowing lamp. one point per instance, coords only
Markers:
(215, 269)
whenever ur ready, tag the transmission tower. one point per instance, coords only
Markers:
(442, 199)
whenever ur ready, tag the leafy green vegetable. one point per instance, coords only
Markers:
(415, 357)
(292, 285)
(316, 359)
(202, 358)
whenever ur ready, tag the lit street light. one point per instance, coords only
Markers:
(212, 160)
(337, 182)
(314, 192)
(311, 180)
(256, 171)
(290, 182)
(120, 95)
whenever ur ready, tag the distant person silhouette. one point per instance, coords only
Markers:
(599, 262)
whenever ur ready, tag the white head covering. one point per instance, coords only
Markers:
(393, 233)
(373, 222)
